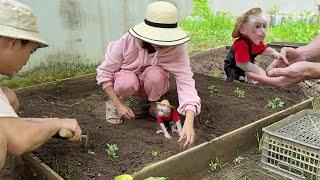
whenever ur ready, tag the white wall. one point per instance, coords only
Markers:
(79, 30)
(236, 7)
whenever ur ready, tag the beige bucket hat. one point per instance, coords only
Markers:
(243, 18)
(19, 21)
(165, 103)
(160, 26)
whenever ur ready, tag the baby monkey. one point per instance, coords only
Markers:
(167, 114)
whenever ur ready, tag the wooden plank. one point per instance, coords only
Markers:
(30, 167)
(185, 164)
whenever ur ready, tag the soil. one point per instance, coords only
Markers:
(222, 112)
(248, 168)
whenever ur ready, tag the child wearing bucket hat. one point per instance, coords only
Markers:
(139, 64)
(250, 30)
(19, 38)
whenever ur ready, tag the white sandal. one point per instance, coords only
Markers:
(112, 114)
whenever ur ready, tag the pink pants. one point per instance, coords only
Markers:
(152, 83)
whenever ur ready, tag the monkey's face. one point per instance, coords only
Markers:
(163, 111)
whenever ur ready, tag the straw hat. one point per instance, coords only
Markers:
(160, 26)
(243, 18)
(19, 21)
(165, 103)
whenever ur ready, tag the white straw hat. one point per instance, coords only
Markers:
(19, 21)
(160, 26)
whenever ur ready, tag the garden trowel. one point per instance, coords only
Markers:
(65, 133)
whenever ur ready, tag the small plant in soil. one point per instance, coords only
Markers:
(216, 73)
(91, 153)
(260, 141)
(154, 153)
(213, 90)
(239, 92)
(238, 160)
(129, 102)
(123, 177)
(111, 150)
(275, 103)
(69, 173)
(216, 164)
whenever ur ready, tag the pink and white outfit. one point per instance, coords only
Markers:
(131, 70)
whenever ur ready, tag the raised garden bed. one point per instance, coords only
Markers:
(222, 111)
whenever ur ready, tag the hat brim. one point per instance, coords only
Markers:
(164, 104)
(159, 36)
(12, 32)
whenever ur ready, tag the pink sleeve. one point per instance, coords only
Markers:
(111, 64)
(180, 68)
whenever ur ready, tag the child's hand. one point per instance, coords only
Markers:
(188, 134)
(125, 111)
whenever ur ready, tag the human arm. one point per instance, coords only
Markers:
(189, 101)
(309, 52)
(26, 134)
(187, 131)
(284, 77)
(106, 71)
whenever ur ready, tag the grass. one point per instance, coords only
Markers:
(206, 29)
(52, 71)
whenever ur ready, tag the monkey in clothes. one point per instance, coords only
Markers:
(167, 114)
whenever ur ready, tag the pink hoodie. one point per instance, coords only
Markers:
(127, 54)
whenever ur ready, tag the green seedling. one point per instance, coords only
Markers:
(239, 92)
(69, 174)
(238, 160)
(92, 153)
(123, 177)
(154, 153)
(129, 102)
(260, 141)
(216, 164)
(213, 90)
(275, 103)
(111, 150)
(216, 73)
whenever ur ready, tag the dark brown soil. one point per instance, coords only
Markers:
(248, 168)
(222, 112)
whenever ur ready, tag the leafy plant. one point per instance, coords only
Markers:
(92, 153)
(216, 164)
(239, 92)
(260, 141)
(238, 160)
(275, 103)
(216, 73)
(154, 153)
(69, 173)
(212, 89)
(111, 150)
(124, 177)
